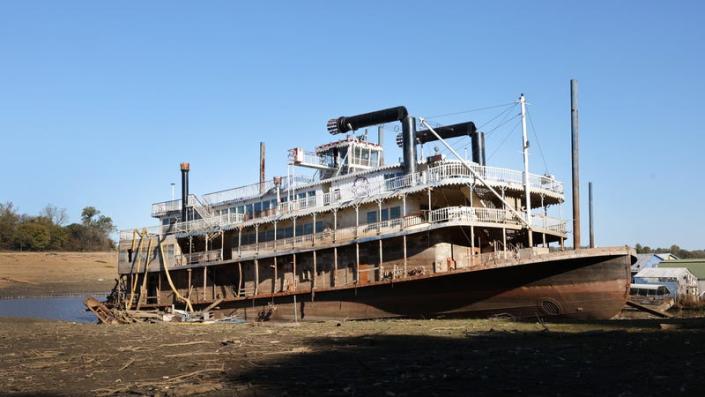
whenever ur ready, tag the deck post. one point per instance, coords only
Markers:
(239, 279)
(293, 270)
(256, 276)
(275, 279)
(293, 234)
(405, 260)
(257, 239)
(313, 235)
(357, 262)
(275, 236)
(357, 219)
(205, 280)
(239, 242)
(222, 244)
(504, 241)
(403, 211)
(335, 225)
(381, 259)
(379, 217)
(335, 266)
(313, 276)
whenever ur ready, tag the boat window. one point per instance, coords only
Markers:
(395, 212)
(385, 214)
(372, 217)
(374, 158)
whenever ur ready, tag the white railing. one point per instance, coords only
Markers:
(159, 209)
(549, 223)
(220, 221)
(158, 230)
(200, 257)
(434, 175)
(472, 215)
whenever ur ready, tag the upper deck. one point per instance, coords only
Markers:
(250, 204)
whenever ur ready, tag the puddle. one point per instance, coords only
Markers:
(66, 308)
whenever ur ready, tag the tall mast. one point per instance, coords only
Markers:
(525, 150)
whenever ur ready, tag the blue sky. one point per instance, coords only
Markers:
(100, 101)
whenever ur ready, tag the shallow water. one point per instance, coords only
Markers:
(66, 308)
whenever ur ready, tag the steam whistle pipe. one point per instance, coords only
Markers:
(575, 161)
(472, 171)
(185, 167)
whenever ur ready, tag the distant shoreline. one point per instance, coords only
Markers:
(35, 274)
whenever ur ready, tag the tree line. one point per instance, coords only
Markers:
(674, 249)
(50, 230)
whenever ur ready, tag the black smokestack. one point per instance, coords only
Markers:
(451, 131)
(184, 189)
(344, 124)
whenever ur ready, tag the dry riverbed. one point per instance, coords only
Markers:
(56, 273)
(386, 358)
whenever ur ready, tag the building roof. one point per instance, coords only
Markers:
(695, 266)
(677, 272)
(650, 260)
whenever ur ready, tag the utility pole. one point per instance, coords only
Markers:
(592, 230)
(525, 150)
(576, 163)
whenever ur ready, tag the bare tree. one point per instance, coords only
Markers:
(57, 215)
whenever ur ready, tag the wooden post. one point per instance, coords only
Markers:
(504, 241)
(335, 266)
(240, 281)
(274, 282)
(405, 260)
(214, 286)
(357, 220)
(335, 225)
(256, 276)
(357, 262)
(189, 283)
(293, 239)
(294, 271)
(239, 242)
(381, 259)
(313, 277)
(205, 279)
(313, 235)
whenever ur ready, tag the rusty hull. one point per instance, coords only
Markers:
(584, 284)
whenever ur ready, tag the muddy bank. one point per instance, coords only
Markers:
(56, 273)
(392, 358)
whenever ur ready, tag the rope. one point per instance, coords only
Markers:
(168, 277)
(536, 135)
(468, 111)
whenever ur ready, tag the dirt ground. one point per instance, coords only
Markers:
(379, 358)
(56, 273)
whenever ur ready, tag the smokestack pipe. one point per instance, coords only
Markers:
(344, 124)
(185, 167)
(452, 131)
(261, 167)
(408, 130)
(576, 163)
